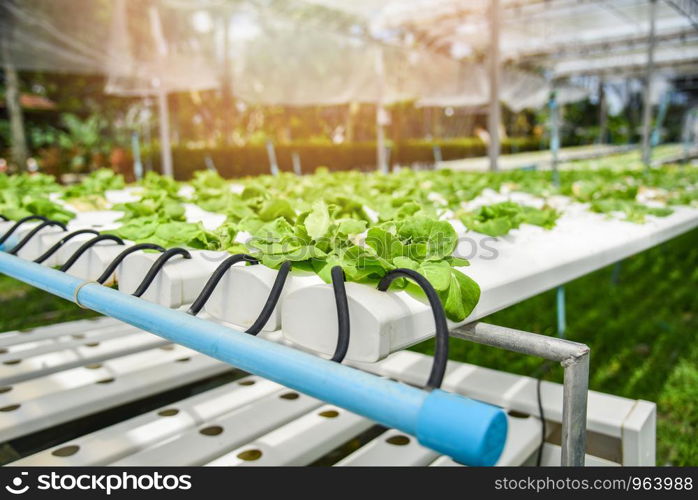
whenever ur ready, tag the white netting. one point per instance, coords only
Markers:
(303, 52)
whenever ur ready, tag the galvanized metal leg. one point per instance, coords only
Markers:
(647, 92)
(554, 136)
(573, 356)
(494, 115)
(574, 409)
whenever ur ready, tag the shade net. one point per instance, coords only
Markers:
(319, 52)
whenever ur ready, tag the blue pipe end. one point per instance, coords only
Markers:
(480, 438)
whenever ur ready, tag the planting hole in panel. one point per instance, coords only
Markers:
(517, 414)
(398, 440)
(213, 430)
(250, 455)
(66, 451)
(168, 412)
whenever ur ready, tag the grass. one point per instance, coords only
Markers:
(24, 306)
(642, 334)
(642, 331)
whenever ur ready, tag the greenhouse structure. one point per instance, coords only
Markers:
(349, 233)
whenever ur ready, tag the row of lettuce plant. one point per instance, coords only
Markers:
(367, 223)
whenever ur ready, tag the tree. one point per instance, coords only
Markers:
(14, 108)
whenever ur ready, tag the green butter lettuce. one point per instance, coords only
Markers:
(155, 204)
(500, 218)
(23, 195)
(168, 234)
(96, 183)
(425, 245)
(632, 210)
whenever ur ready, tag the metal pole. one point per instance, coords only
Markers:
(661, 115)
(165, 146)
(647, 97)
(296, 161)
(573, 356)
(438, 157)
(554, 136)
(494, 116)
(271, 154)
(603, 113)
(381, 157)
(210, 164)
(471, 432)
(574, 409)
(137, 161)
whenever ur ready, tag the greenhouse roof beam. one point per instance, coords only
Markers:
(681, 64)
(609, 44)
(687, 8)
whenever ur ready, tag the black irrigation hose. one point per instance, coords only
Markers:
(441, 350)
(86, 246)
(19, 223)
(217, 275)
(3, 217)
(155, 269)
(543, 369)
(62, 242)
(117, 260)
(272, 300)
(343, 328)
(541, 413)
(33, 232)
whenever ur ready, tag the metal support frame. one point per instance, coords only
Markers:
(603, 113)
(647, 96)
(574, 358)
(137, 160)
(271, 155)
(554, 136)
(296, 162)
(165, 146)
(655, 136)
(495, 111)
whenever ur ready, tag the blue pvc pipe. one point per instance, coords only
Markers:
(470, 431)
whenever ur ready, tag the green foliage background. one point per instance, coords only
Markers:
(251, 159)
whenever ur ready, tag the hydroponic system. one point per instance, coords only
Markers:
(347, 267)
(292, 302)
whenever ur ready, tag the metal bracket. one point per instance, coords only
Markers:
(574, 358)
